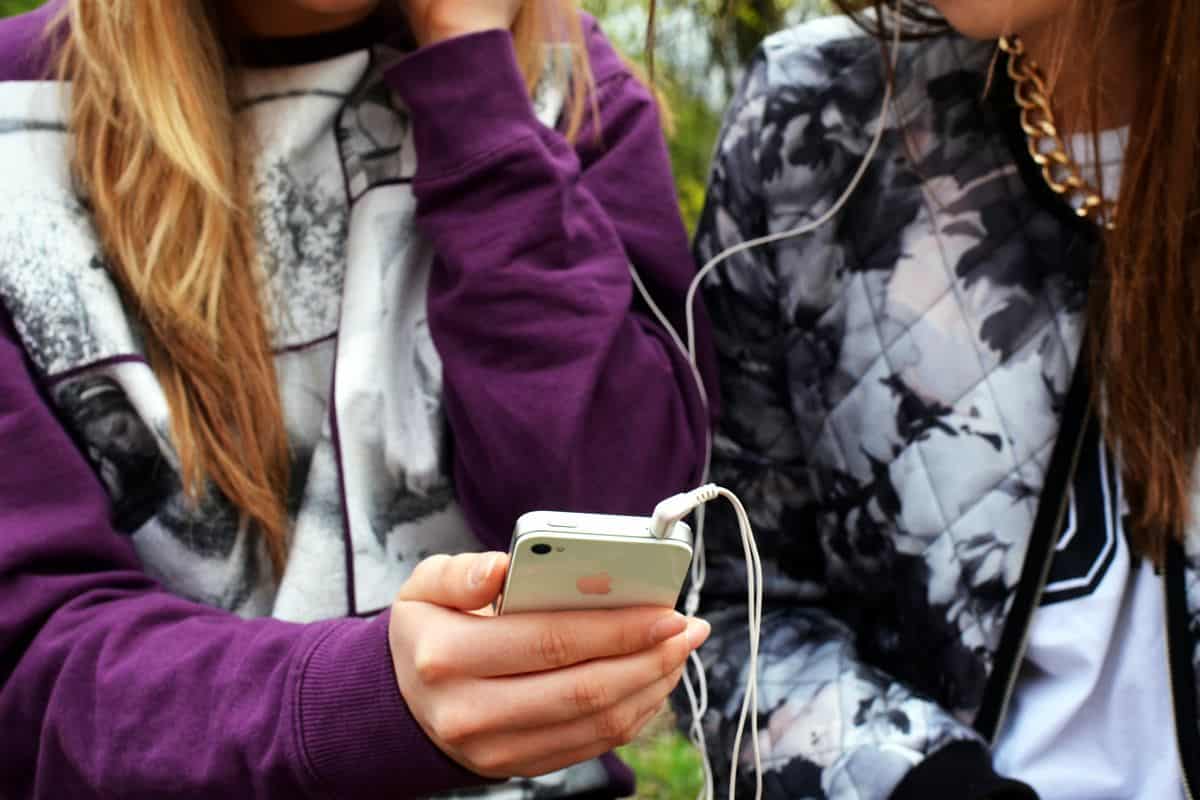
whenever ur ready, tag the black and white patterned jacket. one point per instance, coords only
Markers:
(894, 386)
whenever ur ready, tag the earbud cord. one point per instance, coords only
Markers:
(697, 692)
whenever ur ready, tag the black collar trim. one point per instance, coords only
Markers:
(380, 27)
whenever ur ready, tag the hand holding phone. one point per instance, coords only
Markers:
(527, 694)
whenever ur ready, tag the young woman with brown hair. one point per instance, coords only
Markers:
(295, 294)
(963, 414)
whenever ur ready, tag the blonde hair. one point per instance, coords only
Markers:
(156, 152)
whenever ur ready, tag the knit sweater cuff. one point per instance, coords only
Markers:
(356, 732)
(467, 100)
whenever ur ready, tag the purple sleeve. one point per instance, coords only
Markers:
(560, 393)
(110, 686)
(26, 53)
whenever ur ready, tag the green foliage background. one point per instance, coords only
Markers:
(700, 47)
(10, 7)
(699, 50)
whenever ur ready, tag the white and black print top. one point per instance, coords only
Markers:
(1090, 716)
(335, 262)
(1091, 710)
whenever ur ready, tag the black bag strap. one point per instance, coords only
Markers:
(1077, 418)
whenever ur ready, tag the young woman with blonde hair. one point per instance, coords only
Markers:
(295, 295)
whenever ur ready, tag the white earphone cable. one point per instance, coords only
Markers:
(807, 228)
(697, 692)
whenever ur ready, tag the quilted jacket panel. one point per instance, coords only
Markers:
(893, 387)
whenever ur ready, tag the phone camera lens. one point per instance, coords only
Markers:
(541, 549)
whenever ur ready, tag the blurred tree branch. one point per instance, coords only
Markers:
(737, 30)
(700, 50)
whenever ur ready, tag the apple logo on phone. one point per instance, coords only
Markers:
(600, 583)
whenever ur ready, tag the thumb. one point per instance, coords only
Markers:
(466, 582)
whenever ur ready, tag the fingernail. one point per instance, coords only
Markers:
(666, 627)
(697, 632)
(481, 570)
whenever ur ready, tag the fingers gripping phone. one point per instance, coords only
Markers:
(561, 561)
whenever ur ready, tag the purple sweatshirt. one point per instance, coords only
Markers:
(558, 395)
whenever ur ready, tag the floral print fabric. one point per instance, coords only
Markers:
(892, 387)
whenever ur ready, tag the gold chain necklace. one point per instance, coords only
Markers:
(1046, 145)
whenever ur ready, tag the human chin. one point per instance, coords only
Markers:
(991, 19)
(336, 7)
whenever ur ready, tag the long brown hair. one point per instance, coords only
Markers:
(156, 152)
(1144, 303)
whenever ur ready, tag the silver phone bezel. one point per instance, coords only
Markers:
(609, 525)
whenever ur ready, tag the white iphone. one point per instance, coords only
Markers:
(561, 561)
